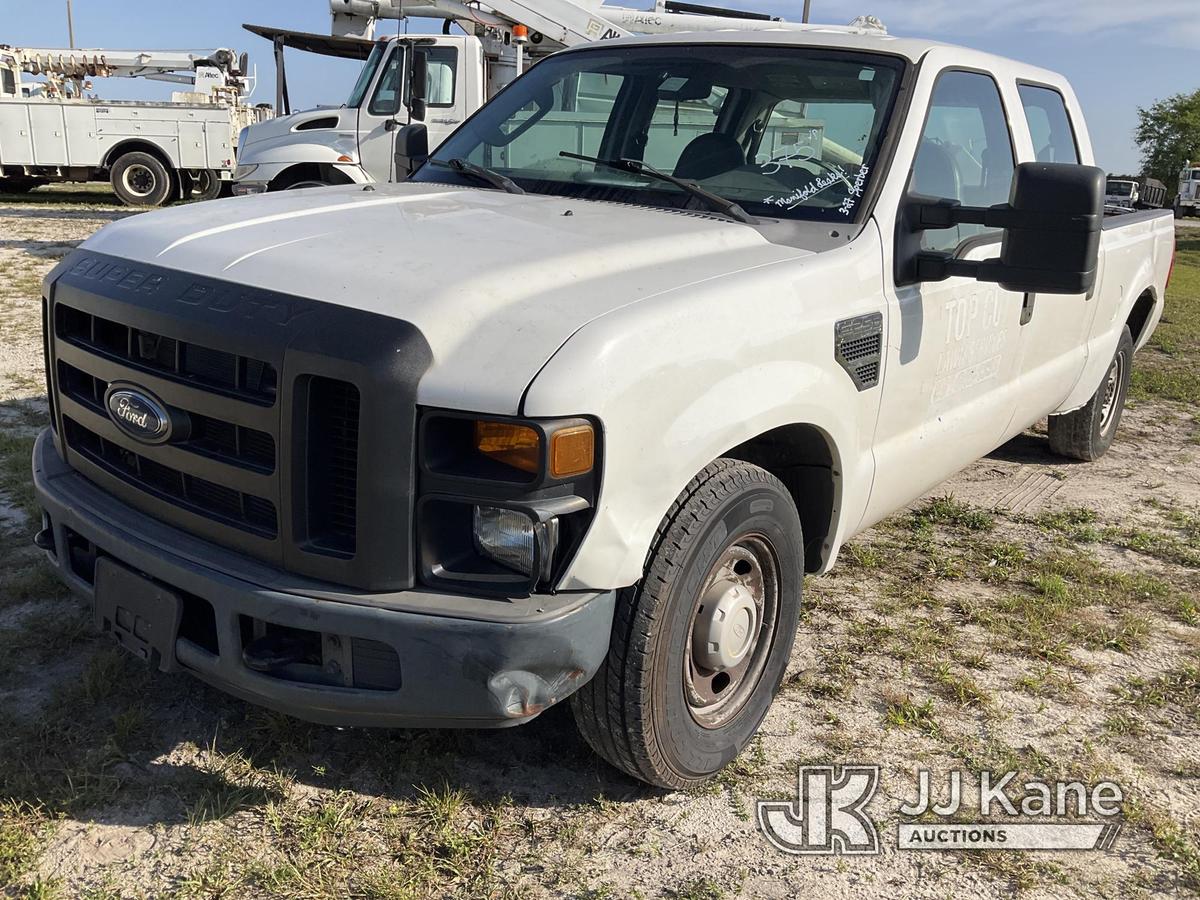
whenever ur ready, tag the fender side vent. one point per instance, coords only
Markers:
(858, 348)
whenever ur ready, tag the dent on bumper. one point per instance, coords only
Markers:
(454, 671)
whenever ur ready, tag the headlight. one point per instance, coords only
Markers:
(507, 536)
(504, 502)
(243, 172)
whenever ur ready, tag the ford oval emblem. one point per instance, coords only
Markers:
(138, 414)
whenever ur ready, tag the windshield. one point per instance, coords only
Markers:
(1120, 188)
(365, 76)
(785, 132)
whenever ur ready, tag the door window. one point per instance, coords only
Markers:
(1049, 124)
(440, 83)
(386, 99)
(966, 151)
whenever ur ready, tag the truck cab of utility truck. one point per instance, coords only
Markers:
(353, 143)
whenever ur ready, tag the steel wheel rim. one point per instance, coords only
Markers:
(718, 684)
(139, 180)
(1112, 391)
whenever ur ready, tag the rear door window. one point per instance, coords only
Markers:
(1049, 124)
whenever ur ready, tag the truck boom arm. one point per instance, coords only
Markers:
(178, 66)
(569, 22)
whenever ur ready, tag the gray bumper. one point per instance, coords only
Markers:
(462, 661)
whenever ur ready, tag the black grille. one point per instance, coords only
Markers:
(332, 444)
(252, 514)
(179, 360)
(858, 348)
(224, 441)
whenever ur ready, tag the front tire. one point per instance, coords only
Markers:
(700, 645)
(1088, 432)
(140, 179)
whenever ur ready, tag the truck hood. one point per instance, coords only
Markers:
(339, 118)
(496, 282)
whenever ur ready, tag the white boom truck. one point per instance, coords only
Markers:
(545, 423)
(352, 144)
(151, 152)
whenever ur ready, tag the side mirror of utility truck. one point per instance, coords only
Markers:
(412, 149)
(418, 85)
(1051, 225)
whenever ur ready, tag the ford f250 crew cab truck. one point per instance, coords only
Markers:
(574, 418)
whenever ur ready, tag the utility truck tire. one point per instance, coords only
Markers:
(1088, 432)
(139, 179)
(205, 186)
(699, 647)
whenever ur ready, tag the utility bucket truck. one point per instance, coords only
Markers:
(151, 152)
(355, 143)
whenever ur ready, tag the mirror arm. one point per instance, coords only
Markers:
(926, 213)
(932, 266)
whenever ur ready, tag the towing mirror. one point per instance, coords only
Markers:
(1051, 239)
(412, 149)
(418, 85)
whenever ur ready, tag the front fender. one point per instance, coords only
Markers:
(680, 379)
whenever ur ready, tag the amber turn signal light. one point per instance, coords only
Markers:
(572, 451)
(516, 445)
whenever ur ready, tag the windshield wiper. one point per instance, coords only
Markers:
(715, 202)
(495, 179)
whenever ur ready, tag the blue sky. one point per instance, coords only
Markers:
(1119, 55)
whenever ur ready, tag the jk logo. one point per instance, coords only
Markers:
(828, 816)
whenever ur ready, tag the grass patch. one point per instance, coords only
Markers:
(1077, 523)
(24, 830)
(903, 712)
(953, 514)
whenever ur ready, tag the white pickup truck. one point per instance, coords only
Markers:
(552, 420)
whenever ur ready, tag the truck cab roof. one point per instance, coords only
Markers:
(837, 38)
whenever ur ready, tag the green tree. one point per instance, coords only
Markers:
(1168, 134)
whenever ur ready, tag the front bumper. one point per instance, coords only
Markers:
(461, 661)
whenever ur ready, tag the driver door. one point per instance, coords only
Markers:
(383, 105)
(954, 345)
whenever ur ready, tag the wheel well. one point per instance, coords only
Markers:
(311, 171)
(802, 457)
(1140, 315)
(138, 147)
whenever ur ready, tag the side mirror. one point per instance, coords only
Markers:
(412, 149)
(1051, 240)
(418, 83)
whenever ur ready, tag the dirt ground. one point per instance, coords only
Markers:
(1031, 614)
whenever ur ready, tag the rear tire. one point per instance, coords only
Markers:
(1088, 432)
(700, 645)
(140, 179)
(205, 186)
